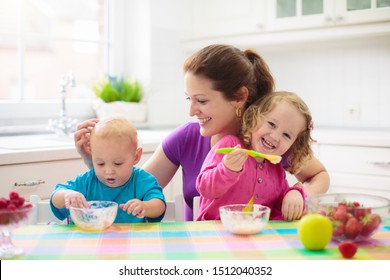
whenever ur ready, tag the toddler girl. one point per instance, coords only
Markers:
(278, 123)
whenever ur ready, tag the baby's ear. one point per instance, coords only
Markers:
(138, 154)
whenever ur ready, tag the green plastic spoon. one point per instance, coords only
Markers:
(272, 158)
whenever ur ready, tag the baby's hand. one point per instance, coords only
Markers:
(235, 160)
(292, 205)
(75, 199)
(135, 207)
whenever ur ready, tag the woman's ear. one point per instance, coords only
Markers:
(243, 93)
(242, 97)
(138, 154)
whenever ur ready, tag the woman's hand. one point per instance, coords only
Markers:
(81, 139)
(292, 205)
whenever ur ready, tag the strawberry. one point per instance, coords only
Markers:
(3, 203)
(13, 205)
(347, 249)
(340, 214)
(352, 228)
(18, 202)
(13, 195)
(355, 204)
(370, 224)
(342, 203)
(338, 228)
(360, 213)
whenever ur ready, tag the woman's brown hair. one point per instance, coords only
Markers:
(229, 69)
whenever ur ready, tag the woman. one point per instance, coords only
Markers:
(221, 81)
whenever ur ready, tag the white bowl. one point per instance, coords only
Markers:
(237, 221)
(100, 216)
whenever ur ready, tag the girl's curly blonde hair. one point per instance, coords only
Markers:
(300, 152)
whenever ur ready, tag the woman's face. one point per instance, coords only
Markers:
(216, 115)
(278, 130)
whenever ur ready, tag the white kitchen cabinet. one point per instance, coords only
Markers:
(261, 23)
(298, 14)
(362, 169)
(215, 18)
(361, 11)
(46, 173)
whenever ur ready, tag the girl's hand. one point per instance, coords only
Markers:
(81, 139)
(235, 160)
(292, 205)
(75, 199)
(135, 207)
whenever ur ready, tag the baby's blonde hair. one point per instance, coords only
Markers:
(300, 151)
(115, 127)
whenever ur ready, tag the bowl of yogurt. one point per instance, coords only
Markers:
(98, 217)
(239, 219)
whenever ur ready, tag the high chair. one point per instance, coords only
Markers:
(195, 204)
(42, 213)
(175, 209)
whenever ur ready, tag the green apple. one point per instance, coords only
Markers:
(315, 231)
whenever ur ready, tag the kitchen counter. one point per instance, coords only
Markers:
(352, 137)
(49, 147)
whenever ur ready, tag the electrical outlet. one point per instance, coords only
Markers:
(353, 112)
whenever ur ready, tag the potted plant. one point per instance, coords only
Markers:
(119, 96)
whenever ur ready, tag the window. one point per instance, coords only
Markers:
(40, 42)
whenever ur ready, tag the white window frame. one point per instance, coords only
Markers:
(37, 113)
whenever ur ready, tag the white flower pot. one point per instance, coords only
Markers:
(135, 112)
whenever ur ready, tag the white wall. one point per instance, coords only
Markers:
(332, 76)
(152, 54)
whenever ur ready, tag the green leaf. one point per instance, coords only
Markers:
(119, 89)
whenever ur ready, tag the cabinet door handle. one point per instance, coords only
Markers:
(328, 19)
(380, 163)
(260, 26)
(29, 183)
(339, 19)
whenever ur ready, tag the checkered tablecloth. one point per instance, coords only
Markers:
(181, 241)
